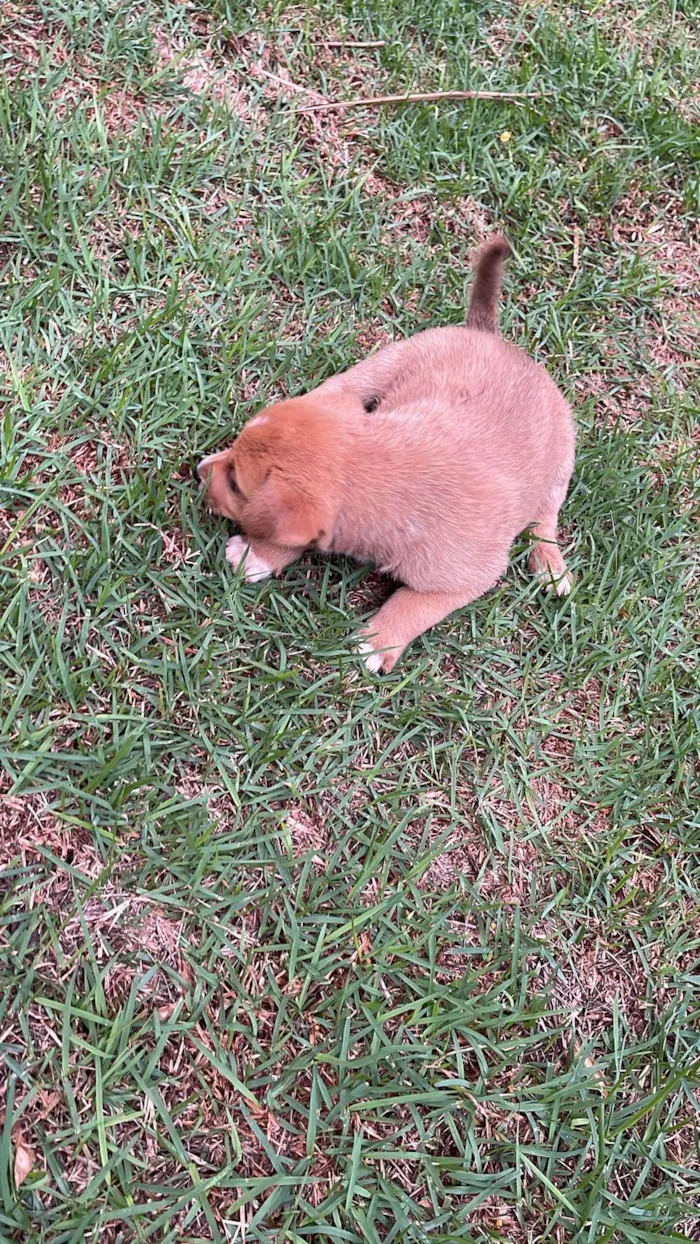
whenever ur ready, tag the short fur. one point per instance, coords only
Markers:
(427, 459)
(486, 289)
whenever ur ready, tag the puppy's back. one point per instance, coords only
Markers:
(470, 406)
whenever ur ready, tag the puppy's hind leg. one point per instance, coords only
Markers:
(406, 614)
(545, 558)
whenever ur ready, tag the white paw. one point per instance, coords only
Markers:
(373, 662)
(561, 585)
(238, 550)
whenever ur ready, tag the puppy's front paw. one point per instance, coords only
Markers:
(561, 583)
(238, 550)
(376, 659)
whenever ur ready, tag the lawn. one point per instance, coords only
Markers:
(289, 952)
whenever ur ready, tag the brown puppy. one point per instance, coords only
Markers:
(428, 459)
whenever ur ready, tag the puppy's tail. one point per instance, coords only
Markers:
(483, 303)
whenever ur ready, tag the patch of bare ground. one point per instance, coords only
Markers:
(659, 230)
(120, 110)
(633, 971)
(619, 399)
(628, 25)
(308, 832)
(601, 980)
(250, 74)
(30, 826)
(78, 468)
(666, 238)
(33, 50)
(330, 135)
(464, 853)
(131, 936)
(203, 73)
(369, 594)
(415, 215)
(551, 810)
(27, 40)
(631, 26)
(93, 455)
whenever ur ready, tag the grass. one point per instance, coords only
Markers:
(287, 953)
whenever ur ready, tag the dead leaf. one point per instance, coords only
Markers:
(24, 1160)
(591, 1065)
(185, 970)
(48, 1102)
(598, 1075)
(363, 948)
(577, 246)
(165, 1012)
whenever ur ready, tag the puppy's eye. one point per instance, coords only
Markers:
(232, 480)
(370, 404)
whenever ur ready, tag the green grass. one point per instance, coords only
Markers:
(287, 953)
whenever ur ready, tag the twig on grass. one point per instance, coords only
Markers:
(373, 101)
(355, 43)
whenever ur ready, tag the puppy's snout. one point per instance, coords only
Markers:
(203, 470)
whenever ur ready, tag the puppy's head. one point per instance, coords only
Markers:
(280, 479)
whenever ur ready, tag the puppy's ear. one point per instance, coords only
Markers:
(219, 483)
(282, 513)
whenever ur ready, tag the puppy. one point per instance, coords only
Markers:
(427, 459)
